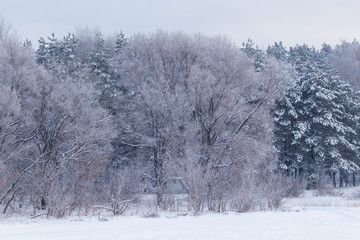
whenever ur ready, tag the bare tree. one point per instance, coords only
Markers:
(345, 58)
(55, 138)
(70, 145)
(195, 102)
(19, 77)
(157, 105)
(232, 110)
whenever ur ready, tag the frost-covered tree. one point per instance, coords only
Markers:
(155, 107)
(345, 58)
(191, 116)
(70, 146)
(55, 137)
(195, 113)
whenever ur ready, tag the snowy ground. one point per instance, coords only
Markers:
(309, 217)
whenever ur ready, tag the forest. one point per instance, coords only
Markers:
(90, 121)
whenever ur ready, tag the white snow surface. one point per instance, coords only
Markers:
(309, 217)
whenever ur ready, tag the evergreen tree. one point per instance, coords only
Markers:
(312, 123)
(27, 43)
(100, 72)
(254, 53)
(61, 58)
(285, 119)
(98, 60)
(326, 50)
(69, 55)
(278, 51)
(120, 43)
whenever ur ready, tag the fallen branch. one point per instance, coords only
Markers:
(39, 215)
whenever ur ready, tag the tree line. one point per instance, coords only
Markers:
(93, 122)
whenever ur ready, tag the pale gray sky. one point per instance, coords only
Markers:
(265, 21)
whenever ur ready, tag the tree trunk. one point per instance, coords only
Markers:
(354, 179)
(341, 181)
(10, 200)
(159, 155)
(346, 180)
(43, 203)
(334, 179)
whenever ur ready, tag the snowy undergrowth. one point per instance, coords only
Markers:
(178, 206)
(309, 216)
(338, 197)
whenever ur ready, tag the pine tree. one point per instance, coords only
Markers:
(61, 58)
(120, 43)
(69, 55)
(254, 53)
(285, 118)
(41, 52)
(278, 51)
(101, 72)
(27, 43)
(312, 121)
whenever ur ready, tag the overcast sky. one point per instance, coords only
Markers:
(264, 21)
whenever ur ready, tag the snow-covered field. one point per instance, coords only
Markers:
(309, 217)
